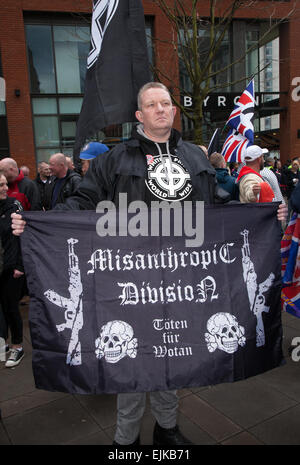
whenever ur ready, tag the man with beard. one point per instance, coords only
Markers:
(252, 187)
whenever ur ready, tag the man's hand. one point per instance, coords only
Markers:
(17, 274)
(256, 189)
(282, 212)
(17, 224)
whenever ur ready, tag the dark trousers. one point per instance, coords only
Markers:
(10, 294)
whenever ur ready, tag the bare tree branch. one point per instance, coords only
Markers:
(197, 41)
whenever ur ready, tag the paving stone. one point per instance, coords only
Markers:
(288, 335)
(290, 321)
(19, 380)
(243, 439)
(21, 404)
(103, 408)
(218, 426)
(247, 402)
(56, 423)
(285, 379)
(4, 441)
(193, 432)
(95, 439)
(282, 429)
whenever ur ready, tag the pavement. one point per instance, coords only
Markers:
(262, 410)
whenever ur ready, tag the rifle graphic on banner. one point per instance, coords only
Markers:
(255, 292)
(72, 306)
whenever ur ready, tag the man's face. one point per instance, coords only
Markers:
(85, 166)
(8, 171)
(55, 167)
(3, 187)
(262, 164)
(45, 170)
(157, 112)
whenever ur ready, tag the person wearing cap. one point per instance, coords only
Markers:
(252, 187)
(89, 152)
(268, 175)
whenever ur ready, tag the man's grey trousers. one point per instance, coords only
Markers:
(131, 407)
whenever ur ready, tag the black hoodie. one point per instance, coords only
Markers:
(124, 170)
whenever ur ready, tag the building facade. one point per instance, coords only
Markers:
(43, 50)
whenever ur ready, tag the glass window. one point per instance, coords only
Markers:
(44, 106)
(2, 109)
(252, 64)
(40, 59)
(46, 131)
(4, 143)
(45, 154)
(221, 58)
(70, 105)
(68, 131)
(71, 44)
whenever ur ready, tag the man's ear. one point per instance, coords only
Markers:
(139, 116)
(174, 110)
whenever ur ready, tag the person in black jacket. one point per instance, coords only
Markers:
(43, 182)
(12, 277)
(155, 164)
(63, 183)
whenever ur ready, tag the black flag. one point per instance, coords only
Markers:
(214, 144)
(117, 66)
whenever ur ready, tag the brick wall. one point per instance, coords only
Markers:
(15, 70)
(289, 72)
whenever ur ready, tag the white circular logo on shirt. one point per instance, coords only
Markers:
(168, 181)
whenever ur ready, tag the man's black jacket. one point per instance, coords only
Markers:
(69, 186)
(124, 170)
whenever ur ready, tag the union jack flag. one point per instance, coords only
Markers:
(290, 267)
(242, 131)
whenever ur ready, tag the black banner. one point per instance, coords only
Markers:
(117, 67)
(125, 314)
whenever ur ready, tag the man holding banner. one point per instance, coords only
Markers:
(154, 165)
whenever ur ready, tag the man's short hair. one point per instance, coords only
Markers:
(216, 160)
(59, 158)
(150, 85)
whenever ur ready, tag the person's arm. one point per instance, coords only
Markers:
(92, 188)
(249, 188)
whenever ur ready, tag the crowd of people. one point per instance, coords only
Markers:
(56, 180)
(283, 179)
(127, 168)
